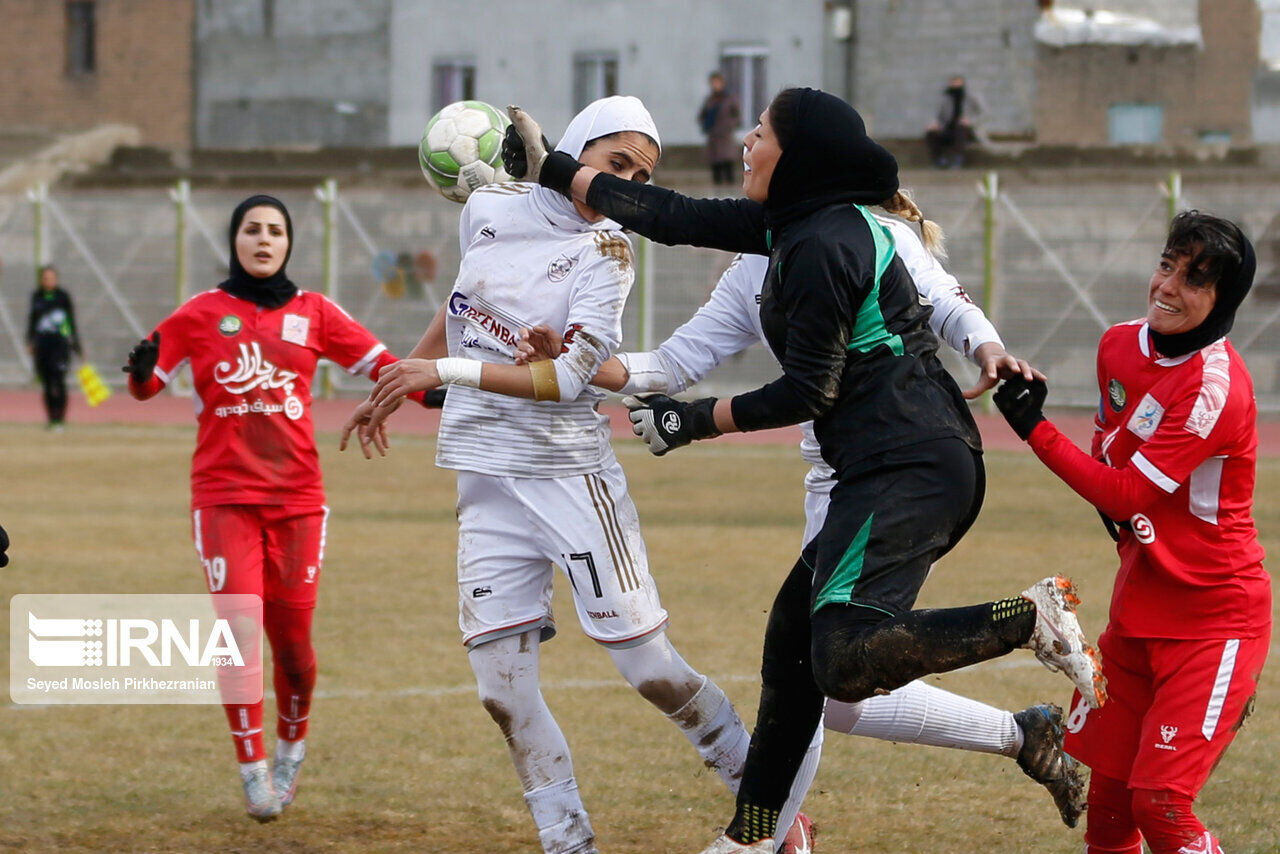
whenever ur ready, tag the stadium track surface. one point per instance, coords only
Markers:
(23, 406)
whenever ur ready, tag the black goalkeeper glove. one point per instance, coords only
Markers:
(514, 157)
(666, 423)
(1021, 402)
(4, 547)
(142, 358)
(525, 157)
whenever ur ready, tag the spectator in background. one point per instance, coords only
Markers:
(952, 128)
(51, 337)
(719, 118)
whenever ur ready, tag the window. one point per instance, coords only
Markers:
(452, 80)
(745, 69)
(1134, 124)
(595, 75)
(81, 38)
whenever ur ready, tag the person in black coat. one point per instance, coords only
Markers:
(51, 338)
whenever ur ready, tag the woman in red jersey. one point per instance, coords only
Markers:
(258, 511)
(1172, 473)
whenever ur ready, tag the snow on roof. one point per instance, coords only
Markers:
(1063, 26)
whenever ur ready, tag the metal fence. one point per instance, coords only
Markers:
(1053, 261)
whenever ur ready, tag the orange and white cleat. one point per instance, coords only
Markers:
(799, 839)
(1058, 641)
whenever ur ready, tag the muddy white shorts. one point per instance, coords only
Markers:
(513, 531)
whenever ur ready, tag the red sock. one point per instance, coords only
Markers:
(1169, 825)
(1111, 828)
(293, 702)
(294, 673)
(246, 731)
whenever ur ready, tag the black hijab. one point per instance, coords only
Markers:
(275, 290)
(1232, 287)
(826, 157)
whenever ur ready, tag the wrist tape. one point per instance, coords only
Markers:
(456, 371)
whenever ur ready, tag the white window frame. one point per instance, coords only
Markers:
(748, 83)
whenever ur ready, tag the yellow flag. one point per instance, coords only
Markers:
(95, 390)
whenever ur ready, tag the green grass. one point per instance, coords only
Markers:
(402, 756)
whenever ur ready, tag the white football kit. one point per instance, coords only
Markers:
(538, 483)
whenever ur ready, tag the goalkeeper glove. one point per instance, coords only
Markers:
(1021, 402)
(666, 423)
(142, 358)
(525, 157)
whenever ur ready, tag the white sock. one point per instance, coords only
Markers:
(707, 718)
(713, 727)
(918, 713)
(800, 786)
(294, 751)
(563, 825)
(247, 769)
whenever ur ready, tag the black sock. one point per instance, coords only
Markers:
(752, 823)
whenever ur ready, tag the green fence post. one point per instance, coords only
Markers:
(989, 189)
(38, 195)
(1173, 192)
(328, 196)
(645, 275)
(181, 196)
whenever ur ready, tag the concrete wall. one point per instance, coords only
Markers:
(665, 49)
(142, 77)
(907, 49)
(1201, 91)
(291, 72)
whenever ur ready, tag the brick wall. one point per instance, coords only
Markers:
(143, 76)
(1200, 90)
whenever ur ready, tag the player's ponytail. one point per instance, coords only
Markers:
(901, 204)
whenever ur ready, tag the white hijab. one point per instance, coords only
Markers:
(614, 114)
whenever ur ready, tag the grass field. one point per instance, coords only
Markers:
(403, 758)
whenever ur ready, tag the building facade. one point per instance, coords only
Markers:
(68, 66)
(273, 73)
(1173, 73)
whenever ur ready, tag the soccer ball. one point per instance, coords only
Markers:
(461, 149)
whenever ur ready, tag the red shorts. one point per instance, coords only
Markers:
(274, 551)
(1173, 707)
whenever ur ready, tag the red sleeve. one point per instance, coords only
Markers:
(1119, 493)
(174, 351)
(387, 358)
(345, 342)
(144, 391)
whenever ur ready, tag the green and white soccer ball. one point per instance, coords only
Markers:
(461, 149)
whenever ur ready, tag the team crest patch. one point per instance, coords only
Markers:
(1146, 418)
(1116, 395)
(295, 329)
(229, 325)
(558, 269)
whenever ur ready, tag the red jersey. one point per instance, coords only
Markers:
(252, 369)
(1180, 438)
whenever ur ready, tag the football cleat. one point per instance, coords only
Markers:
(260, 799)
(284, 779)
(1058, 641)
(725, 845)
(799, 839)
(1042, 759)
